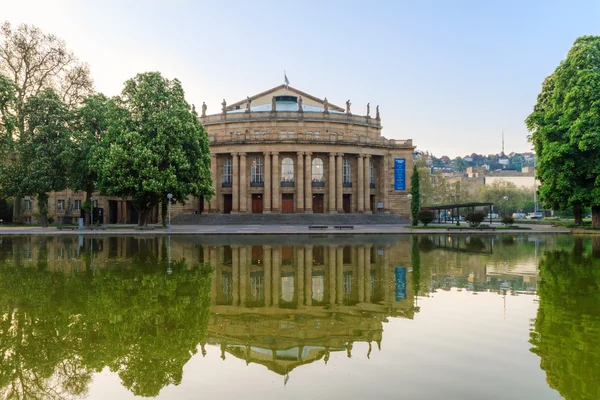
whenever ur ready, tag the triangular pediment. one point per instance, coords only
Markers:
(282, 90)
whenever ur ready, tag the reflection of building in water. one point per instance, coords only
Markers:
(287, 306)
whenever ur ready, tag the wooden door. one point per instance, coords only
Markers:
(347, 203)
(317, 205)
(287, 203)
(257, 204)
(227, 204)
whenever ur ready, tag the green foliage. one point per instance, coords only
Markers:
(425, 216)
(475, 218)
(154, 145)
(415, 203)
(518, 198)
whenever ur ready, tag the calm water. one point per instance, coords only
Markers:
(429, 317)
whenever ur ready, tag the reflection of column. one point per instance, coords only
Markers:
(217, 271)
(267, 280)
(308, 183)
(367, 175)
(267, 196)
(300, 182)
(276, 264)
(338, 183)
(276, 182)
(361, 184)
(213, 283)
(211, 206)
(235, 274)
(367, 252)
(300, 275)
(243, 184)
(340, 275)
(331, 265)
(235, 185)
(331, 183)
(386, 274)
(308, 275)
(243, 275)
(361, 274)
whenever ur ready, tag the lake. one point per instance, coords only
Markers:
(295, 317)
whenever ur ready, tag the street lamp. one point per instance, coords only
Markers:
(504, 205)
(169, 196)
(409, 197)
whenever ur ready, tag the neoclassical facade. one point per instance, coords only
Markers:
(285, 151)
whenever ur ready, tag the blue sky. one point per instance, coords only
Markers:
(451, 75)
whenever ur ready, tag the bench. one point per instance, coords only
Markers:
(61, 227)
(317, 227)
(344, 226)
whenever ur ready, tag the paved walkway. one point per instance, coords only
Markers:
(266, 230)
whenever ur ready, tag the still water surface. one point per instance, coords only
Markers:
(188, 317)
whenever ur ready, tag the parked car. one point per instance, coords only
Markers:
(519, 215)
(535, 215)
(493, 215)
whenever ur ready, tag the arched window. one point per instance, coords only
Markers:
(257, 170)
(317, 170)
(228, 171)
(346, 178)
(371, 172)
(287, 170)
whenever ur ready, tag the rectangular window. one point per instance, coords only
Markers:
(61, 205)
(78, 204)
(27, 205)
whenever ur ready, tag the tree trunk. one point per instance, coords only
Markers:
(87, 214)
(595, 216)
(577, 213)
(164, 205)
(42, 203)
(143, 217)
(596, 246)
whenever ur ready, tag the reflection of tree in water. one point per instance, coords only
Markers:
(425, 244)
(140, 321)
(567, 327)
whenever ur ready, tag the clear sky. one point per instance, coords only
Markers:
(451, 75)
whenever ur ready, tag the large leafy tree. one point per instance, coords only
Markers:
(565, 131)
(415, 203)
(42, 163)
(34, 61)
(154, 145)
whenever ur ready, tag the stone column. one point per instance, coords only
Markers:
(308, 275)
(361, 274)
(267, 276)
(331, 265)
(340, 275)
(385, 183)
(339, 187)
(299, 181)
(308, 183)
(276, 183)
(276, 274)
(235, 185)
(243, 184)
(299, 276)
(235, 274)
(361, 184)
(367, 192)
(331, 184)
(367, 252)
(267, 194)
(211, 206)
(243, 275)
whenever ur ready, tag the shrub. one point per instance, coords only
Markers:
(50, 219)
(475, 218)
(508, 220)
(425, 216)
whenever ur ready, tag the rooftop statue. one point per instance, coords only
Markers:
(248, 101)
(193, 108)
(203, 109)
(300, 104)
(377, 113)
(368, 109)
(273, 104)
(224, 104)
(348, 104)
(325, 106)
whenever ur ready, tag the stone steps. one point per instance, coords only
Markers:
(287, 219)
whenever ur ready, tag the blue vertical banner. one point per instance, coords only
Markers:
(399, 173)
(400, 283)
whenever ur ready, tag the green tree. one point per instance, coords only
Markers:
(43, 148)
(34, 61)
(565, 132)
(154, 145)
(415, 203)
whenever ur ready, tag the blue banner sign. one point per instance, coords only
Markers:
(399, 173)
(400, 283)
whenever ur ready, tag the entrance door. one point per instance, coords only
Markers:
(257, 204)
(317, 205)
(347, 203)
(227, 204)
(112, 211)
(287, 203)
(200, 204)
(372, 203)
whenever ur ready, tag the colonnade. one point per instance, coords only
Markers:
(306, 290)
(303, 182)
